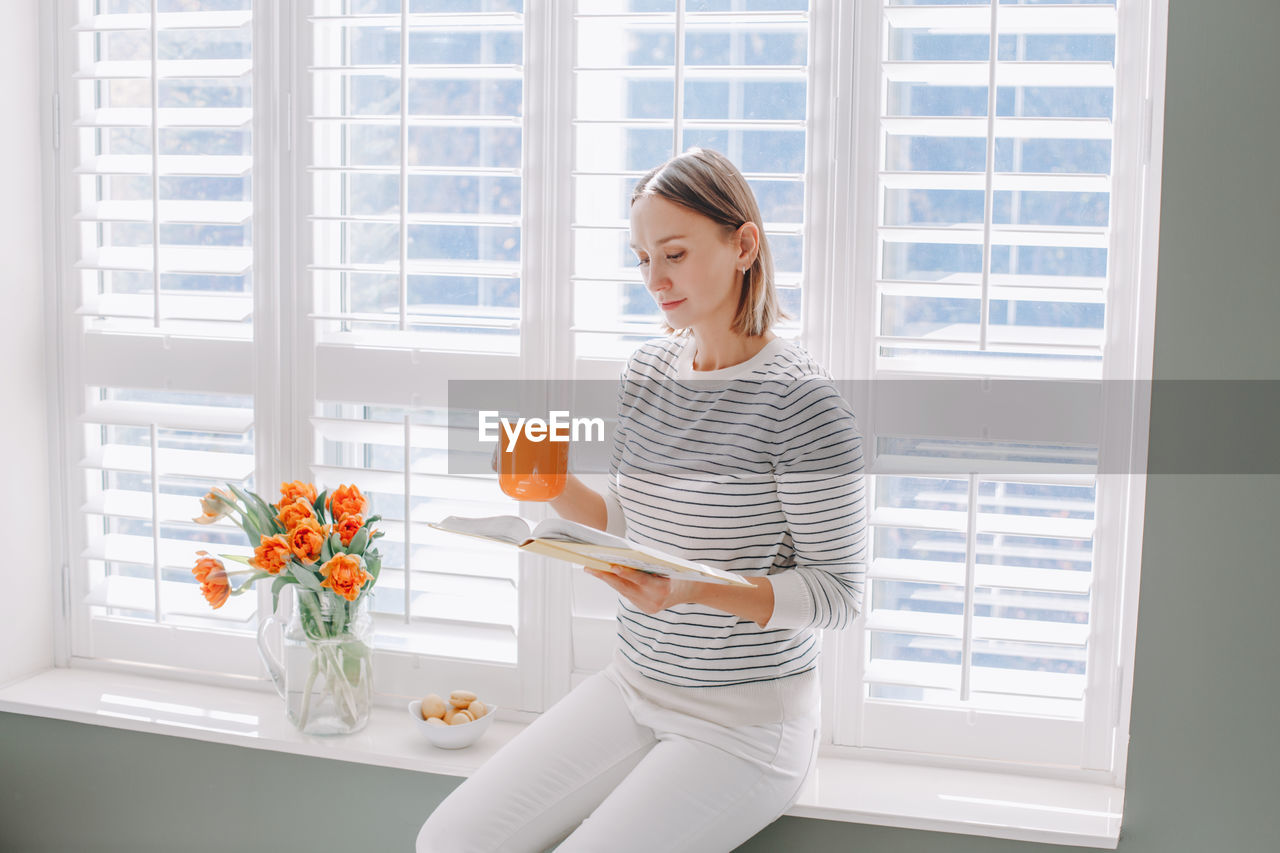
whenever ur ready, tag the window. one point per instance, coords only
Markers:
(435, 190)
(989, 250)
(160, 164)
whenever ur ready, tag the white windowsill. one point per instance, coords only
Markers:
(912, 797)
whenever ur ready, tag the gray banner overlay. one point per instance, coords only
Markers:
(933, 427)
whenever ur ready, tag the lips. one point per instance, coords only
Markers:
(669, 305)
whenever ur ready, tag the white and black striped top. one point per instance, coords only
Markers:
(755, 469)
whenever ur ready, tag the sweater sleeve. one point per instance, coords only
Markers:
(616, 520)
(819, 474)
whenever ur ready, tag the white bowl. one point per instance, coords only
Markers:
(451, 737)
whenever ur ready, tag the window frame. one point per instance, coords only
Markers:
(285, 353)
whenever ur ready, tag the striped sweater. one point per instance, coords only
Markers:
(755, 469)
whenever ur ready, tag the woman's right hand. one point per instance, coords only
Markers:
(493, 462)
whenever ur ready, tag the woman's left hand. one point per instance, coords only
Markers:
(650, 593)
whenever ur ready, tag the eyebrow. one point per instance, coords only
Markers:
(663, 240)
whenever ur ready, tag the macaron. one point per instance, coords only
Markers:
(432, 706)
(461, 698)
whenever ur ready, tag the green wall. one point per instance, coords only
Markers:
(1204, 764)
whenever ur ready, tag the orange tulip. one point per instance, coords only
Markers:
(306, 540)
(345, 576)
(213, 508)
(272, 554)
(292, 513)
(346, 500)
(290, 492)
(214, 584)
(348, 526)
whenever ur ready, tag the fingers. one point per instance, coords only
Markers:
(493, 461)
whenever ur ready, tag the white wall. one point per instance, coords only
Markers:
(26, 569)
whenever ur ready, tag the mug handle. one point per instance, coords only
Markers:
(274, 668)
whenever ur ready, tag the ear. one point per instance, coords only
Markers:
(748, 239)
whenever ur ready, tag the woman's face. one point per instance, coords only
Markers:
(692, 270)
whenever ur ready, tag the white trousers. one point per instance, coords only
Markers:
(605, 770)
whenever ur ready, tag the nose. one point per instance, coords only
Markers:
(657, 278)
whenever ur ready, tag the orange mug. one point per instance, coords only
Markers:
(533, 470)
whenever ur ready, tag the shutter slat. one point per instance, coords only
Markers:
(1073, 74)
(461, 487)
(174, 305)
(180, 598)
(187, 117)
(165, 69)
(743, 73)
(484, 21)
(979, 364)
(165, 21)
(417, 319)
(174, 553)
(169, 164)
(955, 521)
(694, 124)
(984, 627)
(476, 171)
(173, 509)
(168, 416)
(1001, 235)
(214, 260)
(1005, 127)
(985, 575)
(915, 466)
(1083, 284)
(1046, 19)
(194, 463)
(418, 71)
(622, 227)
(479, 269)
(628, 276)
(418, 121)
(457, 219)
(1001, 181)
(188, 212)
(1027, 292)
(908, 673)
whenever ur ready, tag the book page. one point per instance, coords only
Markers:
(563, 530)
(502, 528)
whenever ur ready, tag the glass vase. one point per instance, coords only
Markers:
(324, 673)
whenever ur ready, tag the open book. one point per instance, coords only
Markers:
(584, 546)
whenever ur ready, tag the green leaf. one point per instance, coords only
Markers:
(281, 582)
(326, 553)
(319, 504)
(268, 513)
(339, 614)
(359, 541)
(373, 563)
(253, 515)
(237, 557)
(250, 581)
(371, 519)
(305, 577)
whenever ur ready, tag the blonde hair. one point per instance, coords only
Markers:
(708, 183)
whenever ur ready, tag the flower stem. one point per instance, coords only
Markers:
(306, 696)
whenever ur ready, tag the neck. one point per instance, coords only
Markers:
(723, 348)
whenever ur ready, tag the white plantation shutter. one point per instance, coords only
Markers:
(450, 202)
(414, 158)
(160, 101)
(653, 78)
(990, 249)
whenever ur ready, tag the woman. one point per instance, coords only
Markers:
(734, 449)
